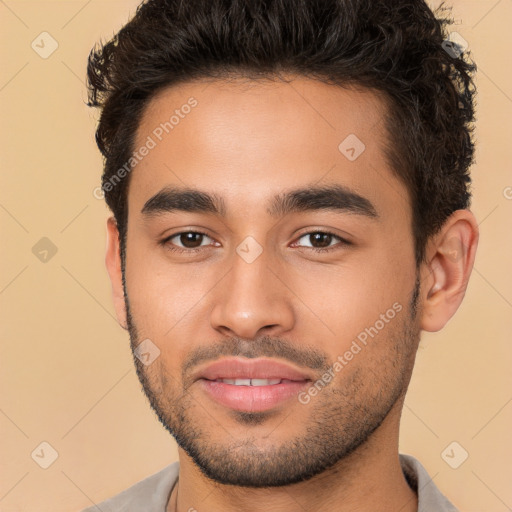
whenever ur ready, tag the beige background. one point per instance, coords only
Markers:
(66, 370)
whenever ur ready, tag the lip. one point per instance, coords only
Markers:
(251, 398)
(236, 368)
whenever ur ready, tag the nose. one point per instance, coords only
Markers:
(252, 301)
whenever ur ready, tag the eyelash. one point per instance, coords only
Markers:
(172, 248)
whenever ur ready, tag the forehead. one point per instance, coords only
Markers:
(247, 139)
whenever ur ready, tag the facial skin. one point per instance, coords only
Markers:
(246, 142)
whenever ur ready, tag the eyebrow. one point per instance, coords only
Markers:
(335, 198)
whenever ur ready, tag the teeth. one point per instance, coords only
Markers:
(264, 382)
(250, 382)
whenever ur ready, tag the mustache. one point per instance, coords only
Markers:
(306, 357)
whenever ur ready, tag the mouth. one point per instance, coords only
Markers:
(253, 382)
(251, 385)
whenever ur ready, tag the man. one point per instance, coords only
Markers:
(290, 191)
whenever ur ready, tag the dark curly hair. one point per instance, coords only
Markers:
(394, 48)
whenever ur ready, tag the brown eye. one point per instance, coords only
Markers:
(186, 241)
(321, 241)
(190, 239)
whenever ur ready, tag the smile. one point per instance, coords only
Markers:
(252, 382)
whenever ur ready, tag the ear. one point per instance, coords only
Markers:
(113, 263)
(450, 259)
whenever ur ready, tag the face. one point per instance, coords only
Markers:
(290, 261)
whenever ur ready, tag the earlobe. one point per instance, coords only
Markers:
(450, 256)
(113, 264)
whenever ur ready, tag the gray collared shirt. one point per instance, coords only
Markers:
(152, 493)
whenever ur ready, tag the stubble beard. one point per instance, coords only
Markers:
(342, 417)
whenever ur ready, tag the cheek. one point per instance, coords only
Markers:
(350, 297)
(165, 297)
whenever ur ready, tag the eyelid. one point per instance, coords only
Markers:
(343, 242)
(168, 238)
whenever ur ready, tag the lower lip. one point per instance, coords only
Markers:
(251, 398)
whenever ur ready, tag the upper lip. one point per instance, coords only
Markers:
(236, 368)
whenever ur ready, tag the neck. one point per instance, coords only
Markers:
(369, 479)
